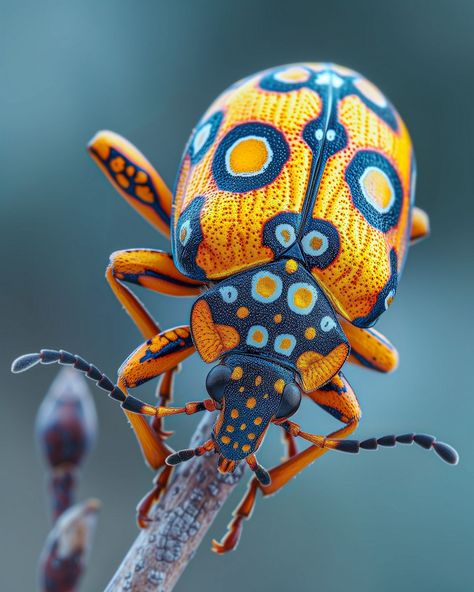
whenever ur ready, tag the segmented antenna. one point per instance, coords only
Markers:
(50, 356)
(443, 450)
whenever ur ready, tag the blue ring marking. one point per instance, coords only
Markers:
(361, 161)
(291, 292)
(243, 183)
(280, 229)
(251, 341)
(321, 258)
(279, 349)
(229, 294)
(272, 83)
(379, 306)
(327, 324)
(278, 289)
(273, 227)
(184, 256)
(209, 128)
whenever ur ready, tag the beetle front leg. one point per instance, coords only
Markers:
(156, 271)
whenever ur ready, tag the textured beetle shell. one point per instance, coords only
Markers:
(312, 154)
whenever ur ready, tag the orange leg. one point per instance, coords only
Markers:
(420, 225)
(369, 348)
(133, 177)
(279, 475)
(154, 270)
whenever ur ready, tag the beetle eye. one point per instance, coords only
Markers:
(217, 380)
(290, 401)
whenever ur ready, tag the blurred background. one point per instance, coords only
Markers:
(382, 521)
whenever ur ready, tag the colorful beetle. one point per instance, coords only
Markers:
(292, 214)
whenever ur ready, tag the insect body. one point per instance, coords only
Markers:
(290, 220)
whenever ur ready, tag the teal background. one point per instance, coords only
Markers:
(392, 520)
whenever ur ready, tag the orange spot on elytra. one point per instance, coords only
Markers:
(277, 318)
(257, 420)
(225, 439)
(234, 414)
(130, 170)
(258, 380)
(245, 447)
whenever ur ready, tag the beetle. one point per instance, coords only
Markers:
(290, 220)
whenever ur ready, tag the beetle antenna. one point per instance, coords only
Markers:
(188, 453)
(443, 450)
(50, 356)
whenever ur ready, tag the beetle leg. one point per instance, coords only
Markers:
(420, 225)
(289, 444)
(151, 269)
(279, 475)
(369, 348)
(133, 177)
(154, 270)
(337, 398)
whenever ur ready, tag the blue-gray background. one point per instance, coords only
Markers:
(396, 519)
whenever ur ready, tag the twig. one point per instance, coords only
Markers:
(178, 524)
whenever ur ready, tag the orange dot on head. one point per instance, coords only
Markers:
(257, 421)
(130, 170)
(277, 318)
(251, 402)
(291, 266)
(279, 385)
(258, 380)
(245, 447)
(242, 312)
(243, 426)
(225, 439)
(251, 436)
(237, 373)
(234, 414)
(310, 333)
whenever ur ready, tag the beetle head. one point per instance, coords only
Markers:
(251, 393)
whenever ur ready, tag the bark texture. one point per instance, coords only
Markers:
(180, 520)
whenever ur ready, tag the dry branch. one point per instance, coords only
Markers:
(179, 522)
